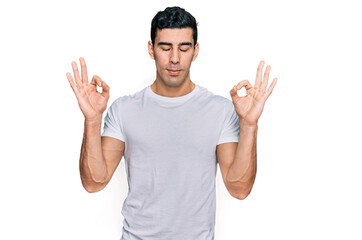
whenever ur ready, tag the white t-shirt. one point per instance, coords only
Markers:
(170, 161)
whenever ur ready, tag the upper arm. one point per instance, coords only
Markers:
(225, 156)
(112, 149)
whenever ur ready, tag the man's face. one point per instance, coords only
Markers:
(173, 53)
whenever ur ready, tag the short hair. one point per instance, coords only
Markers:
(173, 17)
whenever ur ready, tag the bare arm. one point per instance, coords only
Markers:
(99, 156)
(238, 160)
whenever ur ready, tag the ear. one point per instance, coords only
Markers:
(196, 52)
(150, 50)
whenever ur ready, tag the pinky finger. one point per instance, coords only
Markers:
(271, 87)
(72, 84)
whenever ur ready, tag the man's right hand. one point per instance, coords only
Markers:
(91, 102)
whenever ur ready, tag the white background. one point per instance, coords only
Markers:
(308, 183)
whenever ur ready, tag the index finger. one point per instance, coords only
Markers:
(83, 67)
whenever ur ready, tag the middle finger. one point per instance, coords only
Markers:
(83, 67)
(266, 78)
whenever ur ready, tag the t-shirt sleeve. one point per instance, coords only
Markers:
(231, 125)
(112, 122)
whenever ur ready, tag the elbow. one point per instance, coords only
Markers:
(240, 196)
(99, 178)
(240, 190)
(92, 183)
(90, 178)
(92, 187)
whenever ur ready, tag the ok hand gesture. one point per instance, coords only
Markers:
(91, 102)
(250, 107)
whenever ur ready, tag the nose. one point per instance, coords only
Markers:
(174, 56)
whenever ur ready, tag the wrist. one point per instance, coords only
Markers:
(245, 124)
(92, 128)
(93, 122)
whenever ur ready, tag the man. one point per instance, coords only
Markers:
(172, 134)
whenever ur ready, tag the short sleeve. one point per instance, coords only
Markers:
(231, 125)
(112, 122)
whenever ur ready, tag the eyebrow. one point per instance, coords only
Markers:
(185, 44)
(170, 44)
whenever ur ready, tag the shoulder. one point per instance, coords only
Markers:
(129, 99)
(214, 98)
(219, 104)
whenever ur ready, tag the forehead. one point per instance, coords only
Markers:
(174, 35)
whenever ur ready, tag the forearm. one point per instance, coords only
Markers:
(93, 169)
(241, 175)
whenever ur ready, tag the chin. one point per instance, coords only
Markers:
(173, 83)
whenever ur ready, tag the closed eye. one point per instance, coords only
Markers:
(184, 49)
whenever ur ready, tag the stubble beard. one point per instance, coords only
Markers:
(170, 83)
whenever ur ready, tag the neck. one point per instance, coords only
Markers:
(161, 89)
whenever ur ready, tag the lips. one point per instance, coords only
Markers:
(174, 71)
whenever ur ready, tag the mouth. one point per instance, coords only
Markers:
(173, 72)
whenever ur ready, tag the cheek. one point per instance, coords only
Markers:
(161, 58)
(188, 60)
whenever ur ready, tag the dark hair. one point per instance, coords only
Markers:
(173, 17)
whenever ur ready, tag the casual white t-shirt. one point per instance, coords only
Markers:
(170, 161)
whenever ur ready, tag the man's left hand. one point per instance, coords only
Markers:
(250, 107)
